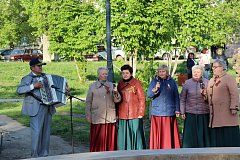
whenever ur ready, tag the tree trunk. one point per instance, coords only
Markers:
(45, 44)
(133, 62)
(169, 61)
(78, 72)
(175, 66)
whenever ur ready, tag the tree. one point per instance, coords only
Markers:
(14, 24)
(75, 28)
(129, 27)
(38, 11)
(72, 27)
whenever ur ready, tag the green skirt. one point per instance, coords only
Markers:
(225, 136)
(131, 134)
(196, 133)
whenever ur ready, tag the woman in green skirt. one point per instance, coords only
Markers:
(195, 111)
(223, 100)
(130, 112)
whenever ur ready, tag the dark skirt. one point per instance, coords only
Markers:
(196, 133)
(225, 136)
(164, 133)
(131, 134)
(103, 137)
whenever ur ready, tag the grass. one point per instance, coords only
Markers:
(12, 72)
(13, 110)
(61, 120)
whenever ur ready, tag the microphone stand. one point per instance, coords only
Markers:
(70, 97)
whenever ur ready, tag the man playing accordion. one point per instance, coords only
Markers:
(39, 112)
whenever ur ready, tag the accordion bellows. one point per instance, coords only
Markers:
(52, 92)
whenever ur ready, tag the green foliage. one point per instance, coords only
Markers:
(146, 73)
(150, 25)
(207, 23)
(127, 22)
(161, 19)
(14, 24)
(14, 71)
(182, 68)
(142, 26)
(75, 27)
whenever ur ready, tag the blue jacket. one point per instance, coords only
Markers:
(166, 101)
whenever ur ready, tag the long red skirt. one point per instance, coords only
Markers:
(164, 133)
(103, 137)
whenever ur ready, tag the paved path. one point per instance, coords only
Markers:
(16, 141)
(20, 100)
(10, 100)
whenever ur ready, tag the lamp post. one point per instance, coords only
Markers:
(108, 36)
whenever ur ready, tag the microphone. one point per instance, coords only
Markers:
(52, 86)
(202, 85)
(114, 85)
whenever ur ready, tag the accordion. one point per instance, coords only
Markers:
(53, 90)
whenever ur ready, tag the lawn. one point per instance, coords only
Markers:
(12, 72)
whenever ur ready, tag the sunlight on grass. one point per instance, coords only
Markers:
(13, 72)
(61, 120)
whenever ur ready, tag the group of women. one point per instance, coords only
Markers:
(208, 107)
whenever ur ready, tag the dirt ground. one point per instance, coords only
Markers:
(17, 141)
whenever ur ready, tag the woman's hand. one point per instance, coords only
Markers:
(204, 94)
(156, 88)
(115, 91)
(88, 117)
(183, 116)
(233, 111)
(203, 91)
(177, 114)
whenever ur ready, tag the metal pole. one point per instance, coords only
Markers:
(108, 36)
(71, 114)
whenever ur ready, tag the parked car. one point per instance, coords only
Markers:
(2, 50)
(92, 57)
(25, 54)
(165, 55)
(5, 54)
(117, 53)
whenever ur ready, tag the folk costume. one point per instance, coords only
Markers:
(223, 97)
(165, 102)
(196, 133)
(131, 109)
(102, 113)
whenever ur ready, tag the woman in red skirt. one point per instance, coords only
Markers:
(101, 113)
(165, 107)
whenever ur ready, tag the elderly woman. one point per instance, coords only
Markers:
(163, 91)
(101, 113)
(223, 100)
(130, 112)
(195, 111)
